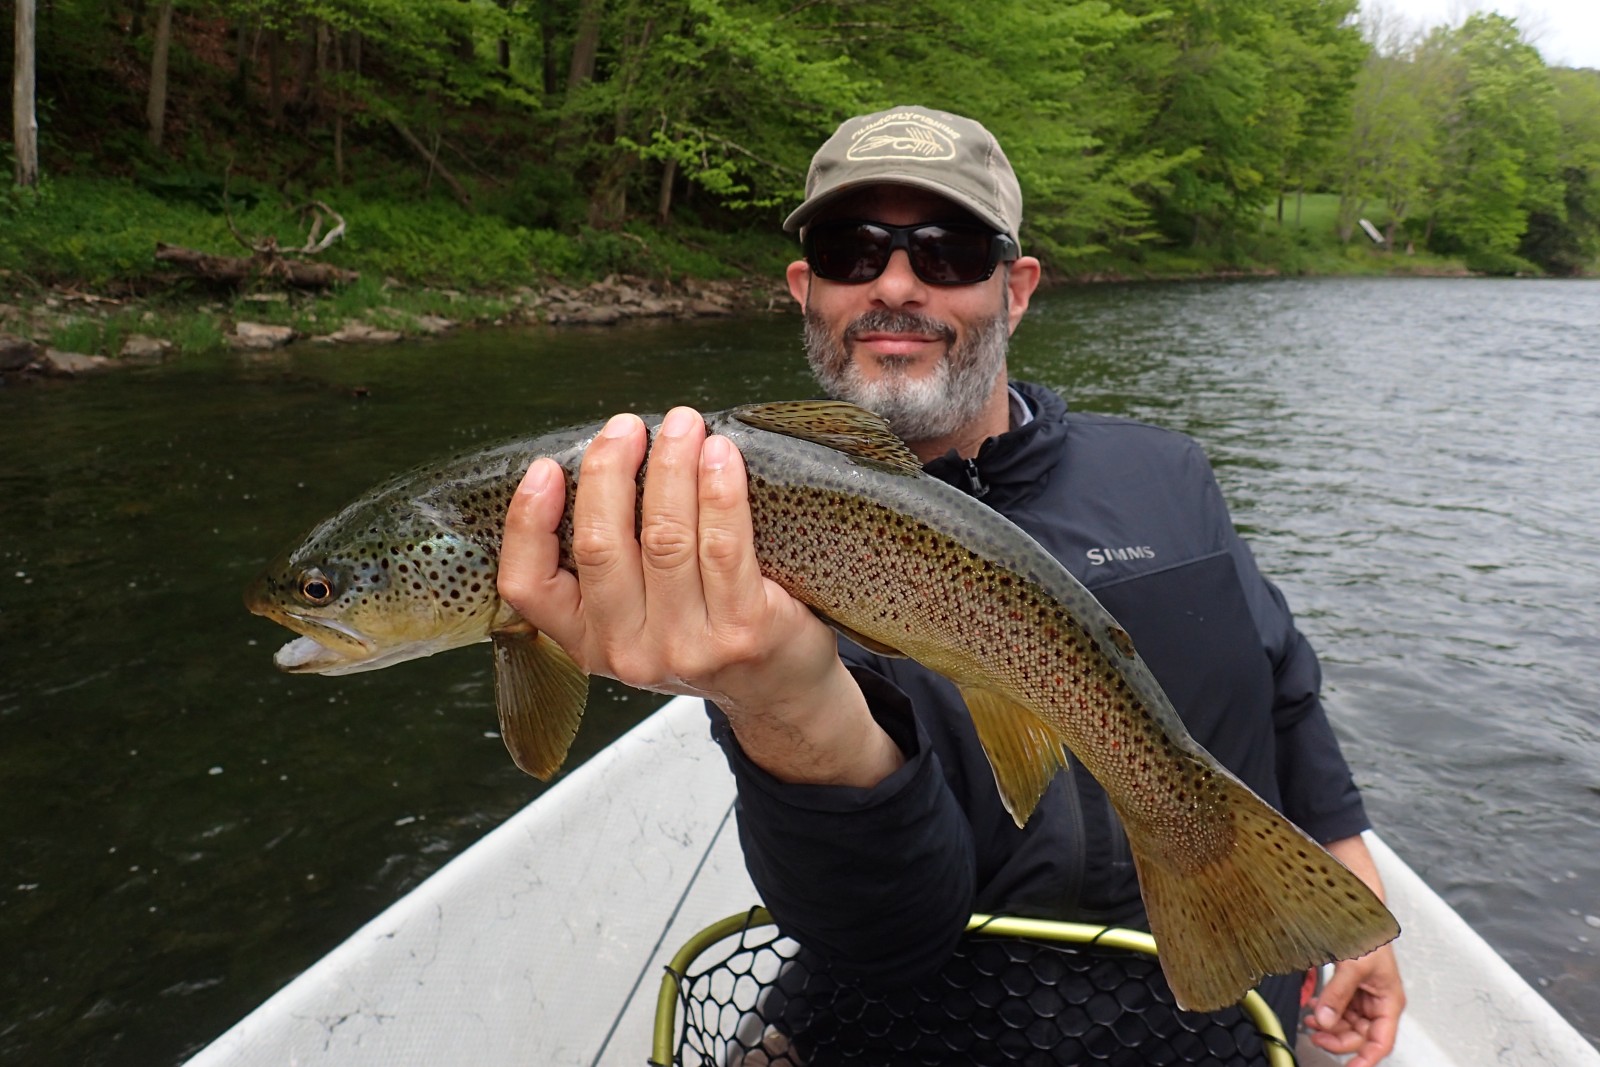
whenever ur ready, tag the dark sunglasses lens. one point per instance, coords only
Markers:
(945, 256)
(852, 254)
(856, 252)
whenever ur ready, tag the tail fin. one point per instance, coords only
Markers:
(1275, 903)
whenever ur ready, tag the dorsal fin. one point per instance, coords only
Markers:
(834, 424)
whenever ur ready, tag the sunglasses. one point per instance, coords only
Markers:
(941, 253)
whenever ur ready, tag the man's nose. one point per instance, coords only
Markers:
(899, 285)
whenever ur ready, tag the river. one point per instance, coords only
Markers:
(1417, 463)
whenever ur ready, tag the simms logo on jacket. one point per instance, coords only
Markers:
(1097, 556)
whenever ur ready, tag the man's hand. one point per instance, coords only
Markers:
(683, 607)
(1359, 1009)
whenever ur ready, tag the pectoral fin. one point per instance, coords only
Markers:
(539, 692)
(1023, 752)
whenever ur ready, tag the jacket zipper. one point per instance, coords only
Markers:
(975, 483)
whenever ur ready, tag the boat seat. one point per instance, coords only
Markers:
(1022, 991)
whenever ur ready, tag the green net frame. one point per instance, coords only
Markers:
(718, 994)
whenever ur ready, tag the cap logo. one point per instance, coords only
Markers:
(903, 135)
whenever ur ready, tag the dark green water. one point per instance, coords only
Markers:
(185, 829)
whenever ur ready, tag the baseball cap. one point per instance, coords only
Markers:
(946, 154)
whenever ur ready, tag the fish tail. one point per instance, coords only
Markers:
(1272, 902)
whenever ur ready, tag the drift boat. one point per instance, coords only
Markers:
(546, 942)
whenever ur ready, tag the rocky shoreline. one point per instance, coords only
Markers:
(27, 329)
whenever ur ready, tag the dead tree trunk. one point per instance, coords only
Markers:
(24, 118)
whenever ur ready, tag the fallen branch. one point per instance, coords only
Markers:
(265, 264)
(433, 162)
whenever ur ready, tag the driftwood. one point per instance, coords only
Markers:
(236, 270)
(267, 259)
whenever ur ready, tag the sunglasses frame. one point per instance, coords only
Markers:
(1002, 249)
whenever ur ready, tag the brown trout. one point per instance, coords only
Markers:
(847, 522)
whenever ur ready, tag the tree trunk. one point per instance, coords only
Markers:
(338, 108)
(274, 78)
(24, 119)
(548, 62)
(156, 112)
(669, 174)
(586, 46)
(310, 38)
(244, 63)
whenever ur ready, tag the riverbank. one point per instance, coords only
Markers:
(66, 331)
(97, 274)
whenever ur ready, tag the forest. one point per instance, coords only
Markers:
(491, 143)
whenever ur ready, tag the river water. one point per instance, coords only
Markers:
(1417, 463)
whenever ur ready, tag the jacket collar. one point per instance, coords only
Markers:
(1011, 468)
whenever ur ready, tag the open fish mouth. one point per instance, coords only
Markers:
(326, 647)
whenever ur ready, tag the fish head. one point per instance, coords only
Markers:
(378, 585)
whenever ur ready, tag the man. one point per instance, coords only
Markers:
(868, 813)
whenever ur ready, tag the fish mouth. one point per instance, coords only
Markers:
(325, 646)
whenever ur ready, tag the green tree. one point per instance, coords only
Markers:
(1567, 241)
(1497, 156)
(1389, 154)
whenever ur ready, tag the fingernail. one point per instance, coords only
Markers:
(538, 479)
(1326, 1017)
(679, 421)
(715, 454)
(619, 426)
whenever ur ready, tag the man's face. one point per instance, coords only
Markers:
(928, 358)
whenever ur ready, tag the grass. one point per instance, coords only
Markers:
(416, 258)
(1306, 242)
(425, 257)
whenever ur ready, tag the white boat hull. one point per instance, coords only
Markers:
(544, 943)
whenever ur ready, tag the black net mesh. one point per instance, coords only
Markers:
(757, 999)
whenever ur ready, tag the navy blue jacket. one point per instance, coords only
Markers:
(882, 880)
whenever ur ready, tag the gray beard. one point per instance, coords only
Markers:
(917, 409)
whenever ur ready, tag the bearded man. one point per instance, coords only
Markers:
(867, 810)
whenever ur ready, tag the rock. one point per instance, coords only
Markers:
(16, 352)
(361, 333)
(71, 364)
(257, 336)
(707, 307)
(433, 324)
(599, 315)
(141, 348)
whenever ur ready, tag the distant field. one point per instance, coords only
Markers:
(1318, 213)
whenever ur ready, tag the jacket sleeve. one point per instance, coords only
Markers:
(878, 881)
(1318, 792)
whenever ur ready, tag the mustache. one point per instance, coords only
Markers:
(891, 320)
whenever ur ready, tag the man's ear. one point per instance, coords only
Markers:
(1021, 280)
(799, 277)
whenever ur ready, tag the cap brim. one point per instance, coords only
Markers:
(809, 210)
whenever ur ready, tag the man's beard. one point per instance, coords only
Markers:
(917, 409)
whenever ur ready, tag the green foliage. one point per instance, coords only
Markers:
(1467, 131)
(493, 143)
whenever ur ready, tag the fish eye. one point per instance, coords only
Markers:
(315, 588)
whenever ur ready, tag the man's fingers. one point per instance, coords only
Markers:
(1335, 996)
(669, 524)
(604, 515)
(734, 591)
(530, 578)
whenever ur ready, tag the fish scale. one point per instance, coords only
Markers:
(846, 521)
